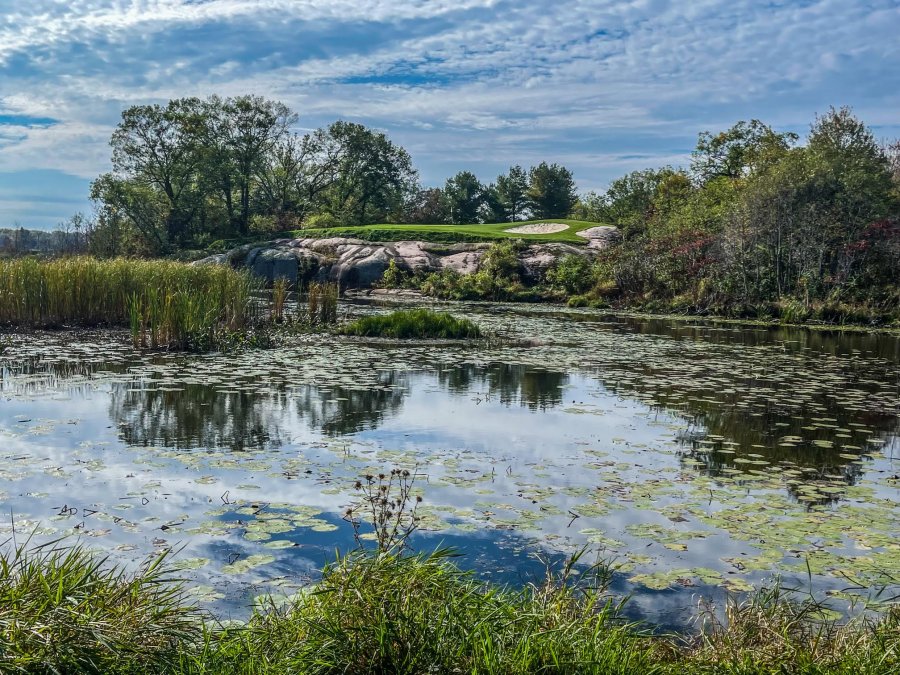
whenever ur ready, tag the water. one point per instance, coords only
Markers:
(699, 460)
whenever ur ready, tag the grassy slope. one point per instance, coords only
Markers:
(455, 233)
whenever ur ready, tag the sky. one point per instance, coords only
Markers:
(604, 87)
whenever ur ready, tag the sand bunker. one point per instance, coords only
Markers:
(538, 228)
(600, 237)
(599, 232)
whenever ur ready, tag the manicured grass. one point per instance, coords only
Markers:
(413, 323)
(64, 611)
(453, 233)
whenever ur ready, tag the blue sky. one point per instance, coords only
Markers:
(603, 87)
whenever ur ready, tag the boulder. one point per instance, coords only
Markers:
(355, 263)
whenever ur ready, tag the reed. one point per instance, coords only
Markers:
(281, 288)
(322, 303)
(165, 304)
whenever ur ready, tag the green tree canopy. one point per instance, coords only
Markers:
(551, 191)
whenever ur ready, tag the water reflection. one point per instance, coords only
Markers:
(196, 416)
(511, 384)
(695, 454)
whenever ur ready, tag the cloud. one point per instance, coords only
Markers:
(607, 86)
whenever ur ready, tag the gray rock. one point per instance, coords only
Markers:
(355, 263)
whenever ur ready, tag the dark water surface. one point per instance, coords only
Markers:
(702, 460)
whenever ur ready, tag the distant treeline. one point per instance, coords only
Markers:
(760, 225)
(757, 220)
(18, 240)
(195, 170)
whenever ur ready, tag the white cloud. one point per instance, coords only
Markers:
(476, 83)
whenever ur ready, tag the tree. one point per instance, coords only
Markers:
(241, 135)
(158, 148)
(464, 194)
(511, 194)
(739, 151)
(368, 177)
(429, 206)
(133, 203)
(632, 201)
(551, 191)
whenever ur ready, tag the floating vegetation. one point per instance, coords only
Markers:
(703, 459)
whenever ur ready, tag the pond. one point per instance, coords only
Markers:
(699, 460)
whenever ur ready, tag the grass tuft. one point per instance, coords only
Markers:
(65, 610)
(414, 323)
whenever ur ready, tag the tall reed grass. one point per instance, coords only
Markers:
(322, 304)
(166, 304)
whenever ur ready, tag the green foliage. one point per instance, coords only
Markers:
(393, 276)
(65, 610)
(320, 220)
(415, 323)
(766, 228)
(219, 167)
(551, 191)
(512, 193)
(743, 149)
(498, 278)
(571, 274)
(166, 304)
(464, 195)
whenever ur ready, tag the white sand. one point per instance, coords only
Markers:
(538, 228)
(599, 232)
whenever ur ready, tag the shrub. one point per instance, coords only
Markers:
(320, 221)
(572, 274)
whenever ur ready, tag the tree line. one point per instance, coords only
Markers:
(760, 219)
(196, 170)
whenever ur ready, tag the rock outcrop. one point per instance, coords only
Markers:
(355, 263)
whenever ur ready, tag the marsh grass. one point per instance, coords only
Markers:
(778, 631)
(63, 609)
(321, 304)
(387, 613)
(165, 304)
(281, 289)
(413, 323)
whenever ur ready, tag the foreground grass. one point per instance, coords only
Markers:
(413, 323)
(64, 611)
(166, 304)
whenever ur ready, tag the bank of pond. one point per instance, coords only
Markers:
(66, 610)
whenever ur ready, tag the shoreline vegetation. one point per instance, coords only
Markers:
(63, 609)
(66, 609)
(165, 304)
